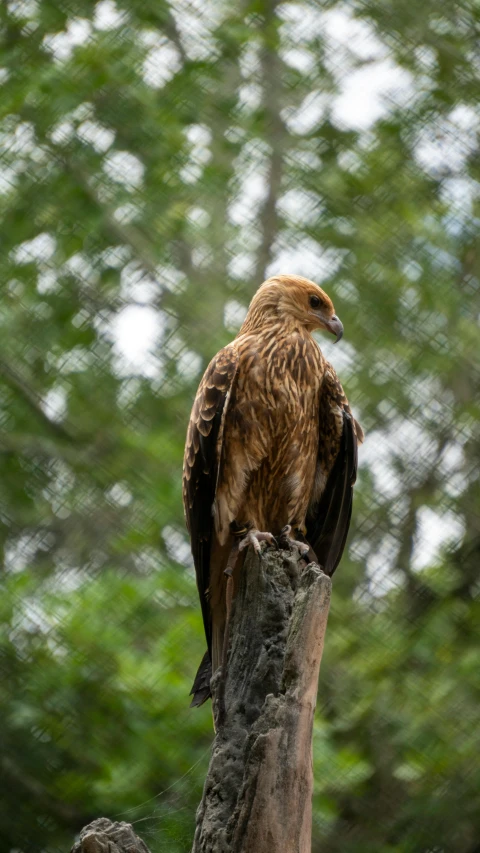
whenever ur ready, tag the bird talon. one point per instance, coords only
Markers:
(254, 538)
(287, 542)
(303, 549)
(284, 537)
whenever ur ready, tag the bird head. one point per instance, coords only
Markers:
(298, 300)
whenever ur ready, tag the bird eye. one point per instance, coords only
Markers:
(315, 301)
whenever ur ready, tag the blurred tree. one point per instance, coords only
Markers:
(157, 161)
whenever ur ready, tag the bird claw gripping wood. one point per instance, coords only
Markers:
(255, 537)
(286, 541)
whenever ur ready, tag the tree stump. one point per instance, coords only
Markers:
(258, 791)
(105, 836)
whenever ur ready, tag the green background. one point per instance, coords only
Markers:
(157, 161)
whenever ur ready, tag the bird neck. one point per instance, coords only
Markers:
(270, 324)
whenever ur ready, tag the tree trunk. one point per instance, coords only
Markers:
(258, 792)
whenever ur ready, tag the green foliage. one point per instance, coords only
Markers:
(157, 161)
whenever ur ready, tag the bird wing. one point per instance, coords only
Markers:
(203, 451)
(330, 508)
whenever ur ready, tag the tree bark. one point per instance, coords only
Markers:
(258, 792)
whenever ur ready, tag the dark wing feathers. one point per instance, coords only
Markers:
(201, 686)
(200, 469)
(328, 518)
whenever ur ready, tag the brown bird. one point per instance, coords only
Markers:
(271, 449)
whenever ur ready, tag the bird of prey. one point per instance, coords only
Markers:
(271, 449)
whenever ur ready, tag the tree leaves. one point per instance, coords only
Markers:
(156, 162)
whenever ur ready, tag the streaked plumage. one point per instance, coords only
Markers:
(271, 441)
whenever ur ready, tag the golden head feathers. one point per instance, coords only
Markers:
(295, 301)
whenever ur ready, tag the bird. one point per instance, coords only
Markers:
(270, 453)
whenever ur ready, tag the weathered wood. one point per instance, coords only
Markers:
(258, 792)
(104, 836)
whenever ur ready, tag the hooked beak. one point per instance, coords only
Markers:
(335, 326)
